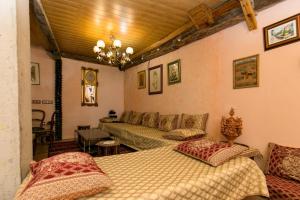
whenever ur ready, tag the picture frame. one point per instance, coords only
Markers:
(155, 80)
(282, 33)
(89, 87)
(174, 72)
(35, 73)
(141, 79)
(246, 72)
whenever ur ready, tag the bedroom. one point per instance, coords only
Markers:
(270, 112)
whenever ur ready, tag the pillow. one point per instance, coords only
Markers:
(167, 122)
(184, 134)
(283, 162)
(65, 176)
(194, 121)
(125, 116)
(150, 119)
(210, 152)
(135, 118)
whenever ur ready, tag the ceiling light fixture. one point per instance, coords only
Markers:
(113, 55)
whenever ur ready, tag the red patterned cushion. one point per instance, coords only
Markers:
(210, 152)
(284, 162)
(280, 188)
(65, 176)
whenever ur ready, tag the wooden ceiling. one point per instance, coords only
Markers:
(76, 25)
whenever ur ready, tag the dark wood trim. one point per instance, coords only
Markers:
(161, 79)
(232, 16)
(58, 99)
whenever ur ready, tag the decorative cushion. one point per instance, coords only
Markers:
(280, 188)
(167, 122)
(150, 119)
(283, 162)
(194, 121)
(125, 116)
(183, 134)
(65, 176)
(210, 152)
(135, 118)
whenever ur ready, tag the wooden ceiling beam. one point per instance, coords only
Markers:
(45, 27)
(249, 14)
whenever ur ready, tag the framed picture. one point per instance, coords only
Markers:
(35, 73)
(174, 72)
(141, 79)
(89, 85)
(155, 83)
(245, 72)
(282, 33)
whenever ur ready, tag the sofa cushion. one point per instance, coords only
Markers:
(135, 118)
(150, 119)
(125, 116)
(167, 122)
(283, 162)
(65, 176)
(183, 134)
(194, 121)
(210, 152)
(281, 188)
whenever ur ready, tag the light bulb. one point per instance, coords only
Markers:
(101, 44)
(129, 50)
(96, 49)
(117, 44)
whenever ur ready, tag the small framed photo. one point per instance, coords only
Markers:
(141, 79)
(155, 80)
(282, 33)
(245, 72)
(35, 73)
(174, 72)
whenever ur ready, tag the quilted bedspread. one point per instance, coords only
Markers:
(163, 174)
(138, 137)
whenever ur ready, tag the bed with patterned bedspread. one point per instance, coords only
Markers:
(137, 137)
(162, 173)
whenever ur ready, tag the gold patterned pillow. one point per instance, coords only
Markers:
(135, 118)
(194, 121)
(125, 116)
(150, 119)
(167, 122)
(183, 134)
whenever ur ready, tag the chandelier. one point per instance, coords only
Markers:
(112, 54)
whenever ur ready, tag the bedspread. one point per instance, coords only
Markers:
(164, 174)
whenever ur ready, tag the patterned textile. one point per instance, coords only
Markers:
(183, 134)
(58, 177)
(135, 118)
(213, 153)
(281, 188)
(194, 121)
(137, 137)
(150, 119)
(284, 162)
(167, 122)
(125, 116)
(252, 153)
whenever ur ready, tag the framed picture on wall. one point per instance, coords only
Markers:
(141, 79)
(246, 72)
(35, 73)
(282, 32)
(174, 72)
(155, 80)
(89, 85)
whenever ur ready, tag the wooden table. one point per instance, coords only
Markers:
(108, 145)
(90, 137)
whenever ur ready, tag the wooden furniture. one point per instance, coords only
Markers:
(83, 127)
(89, 137)
(108, 147)
(38, 117)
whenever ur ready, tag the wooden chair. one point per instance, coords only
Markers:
(38, 117)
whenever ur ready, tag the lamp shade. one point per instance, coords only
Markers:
(117, 43)
(129, 50)
(96, 49)
(101, 44)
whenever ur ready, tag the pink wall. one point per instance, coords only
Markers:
(110, 95)
(110, 91)
(44, 91)
(270, 112)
